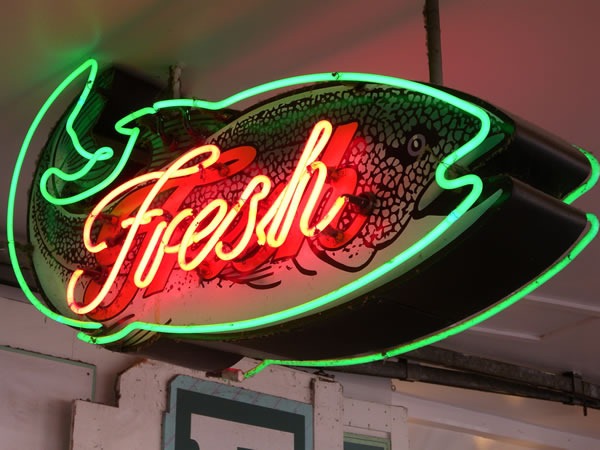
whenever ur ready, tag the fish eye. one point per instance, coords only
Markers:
(416, 144)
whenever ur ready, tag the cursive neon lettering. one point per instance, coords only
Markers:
(191, 237)
(279, 218)
(251, 222)
(161, 177)
(139, 279)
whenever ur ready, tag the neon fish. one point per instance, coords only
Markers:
(239, 222)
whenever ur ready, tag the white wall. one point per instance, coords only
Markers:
(36, 393)
(444, 425)
(23, 327)
(36, 384)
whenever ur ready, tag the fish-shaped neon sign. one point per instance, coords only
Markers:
(274, 223)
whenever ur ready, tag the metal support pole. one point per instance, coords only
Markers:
(175, 81)
(431, 15)
(448, 368)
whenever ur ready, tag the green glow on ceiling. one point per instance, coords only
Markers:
(459, 327)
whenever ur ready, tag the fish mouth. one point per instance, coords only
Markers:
(434, 200)
(531, 156)
(542, 161)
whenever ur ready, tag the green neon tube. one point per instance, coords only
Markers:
(102, 154)
(10, 214)
(589, 183)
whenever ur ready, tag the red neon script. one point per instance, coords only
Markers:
(219, 231)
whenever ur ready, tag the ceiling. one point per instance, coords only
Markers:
(538, 59)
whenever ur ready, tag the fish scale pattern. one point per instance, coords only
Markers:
(388, 118)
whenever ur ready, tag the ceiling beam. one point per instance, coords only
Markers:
(444, 367)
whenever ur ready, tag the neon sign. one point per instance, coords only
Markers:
(272, 229)
(280, 220)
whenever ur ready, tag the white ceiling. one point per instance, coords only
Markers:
(538, 59)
